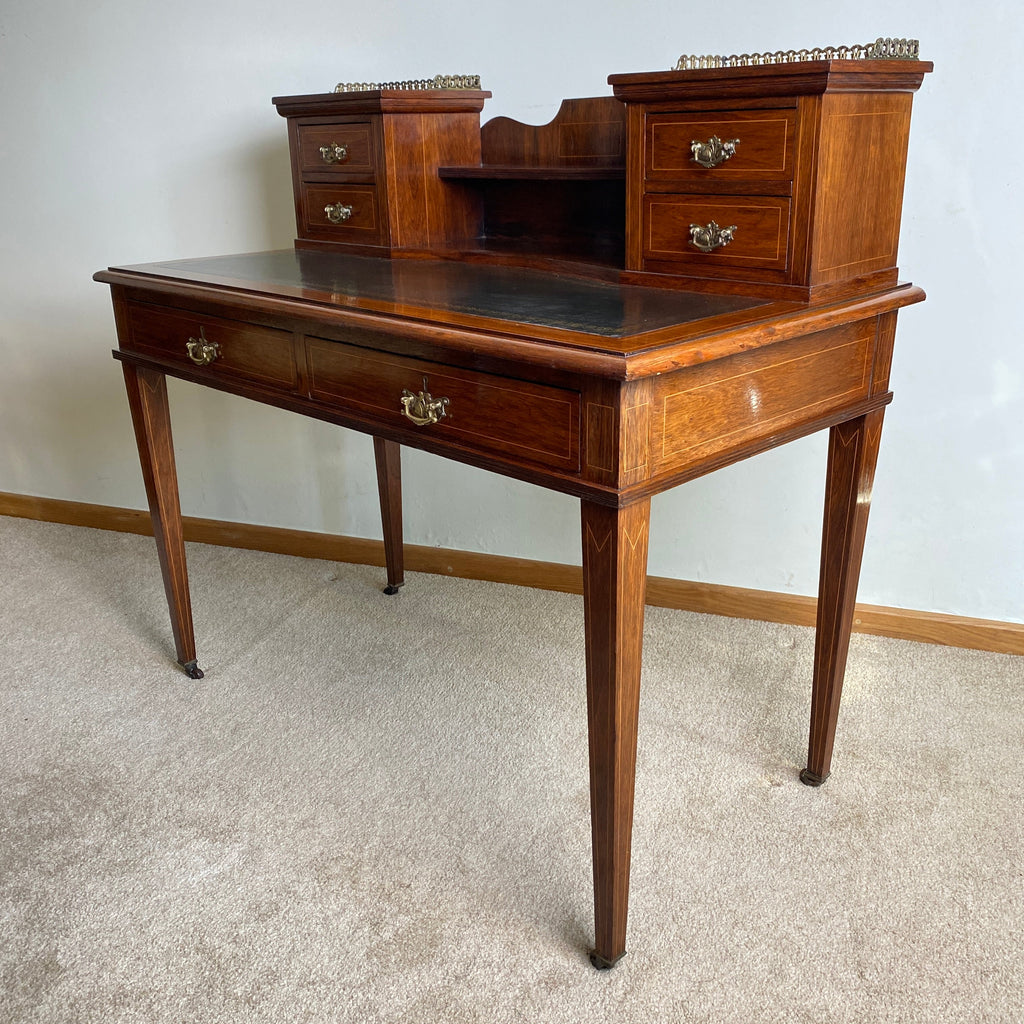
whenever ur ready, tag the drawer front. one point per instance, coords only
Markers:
(222, 348)
(764, 141)
(518, 419)
(760, 234)
(355, 209)
(336, 149)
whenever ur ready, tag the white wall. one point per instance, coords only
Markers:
(134, 131)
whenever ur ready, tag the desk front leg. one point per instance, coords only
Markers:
(147, 398)
(614, 586)
(388, 456)
(852, 454)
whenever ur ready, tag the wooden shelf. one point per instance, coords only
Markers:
(582, 260)
(512, 172)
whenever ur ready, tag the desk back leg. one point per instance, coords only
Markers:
(614, 587)
(388, 455)
(852, 454)
(147, 398)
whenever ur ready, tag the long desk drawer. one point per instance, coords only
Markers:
(514, 418)
(222, 348)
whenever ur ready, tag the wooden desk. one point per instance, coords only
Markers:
(608, 392)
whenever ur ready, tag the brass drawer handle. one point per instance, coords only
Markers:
(334, 153)
(714, 151)
(201, 351)
(337, 212)
(423, 409)
(708, 237)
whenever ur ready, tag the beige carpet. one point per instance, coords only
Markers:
(375, 809)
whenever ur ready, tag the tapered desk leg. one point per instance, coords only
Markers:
(614, 585)
(388, 455)
(852, 453)
(147, 398)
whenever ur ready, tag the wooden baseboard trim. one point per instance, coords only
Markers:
(709, 598)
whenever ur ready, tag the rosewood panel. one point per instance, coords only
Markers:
(424, 212)
(725, 404)
(584, 133)
(859, 196)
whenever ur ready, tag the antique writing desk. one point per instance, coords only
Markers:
(489, 295)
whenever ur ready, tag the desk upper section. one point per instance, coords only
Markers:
(779, 181)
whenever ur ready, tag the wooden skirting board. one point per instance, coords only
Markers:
(710, 598)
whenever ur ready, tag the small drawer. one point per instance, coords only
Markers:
(336, 149)
(342, 213)
(222, 348)
(760, 234)
(764, 144)
(518, 419)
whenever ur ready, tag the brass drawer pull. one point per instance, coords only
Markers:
(708, 237)
(334, 153)
(337, 212)
(423, 409)
(201, 351)
(714, 151)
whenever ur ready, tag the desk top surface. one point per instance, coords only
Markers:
(603, 315)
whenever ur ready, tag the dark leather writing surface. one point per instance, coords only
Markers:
(511, 294)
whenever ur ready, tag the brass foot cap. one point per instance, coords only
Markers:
(603, 964)
(809, 778)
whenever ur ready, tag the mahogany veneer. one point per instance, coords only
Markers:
(581, 383)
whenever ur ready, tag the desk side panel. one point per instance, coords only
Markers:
(718, 408)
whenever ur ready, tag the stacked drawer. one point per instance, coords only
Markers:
(364, 168)
(782, 178)
(340, 195)
(717, 191)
